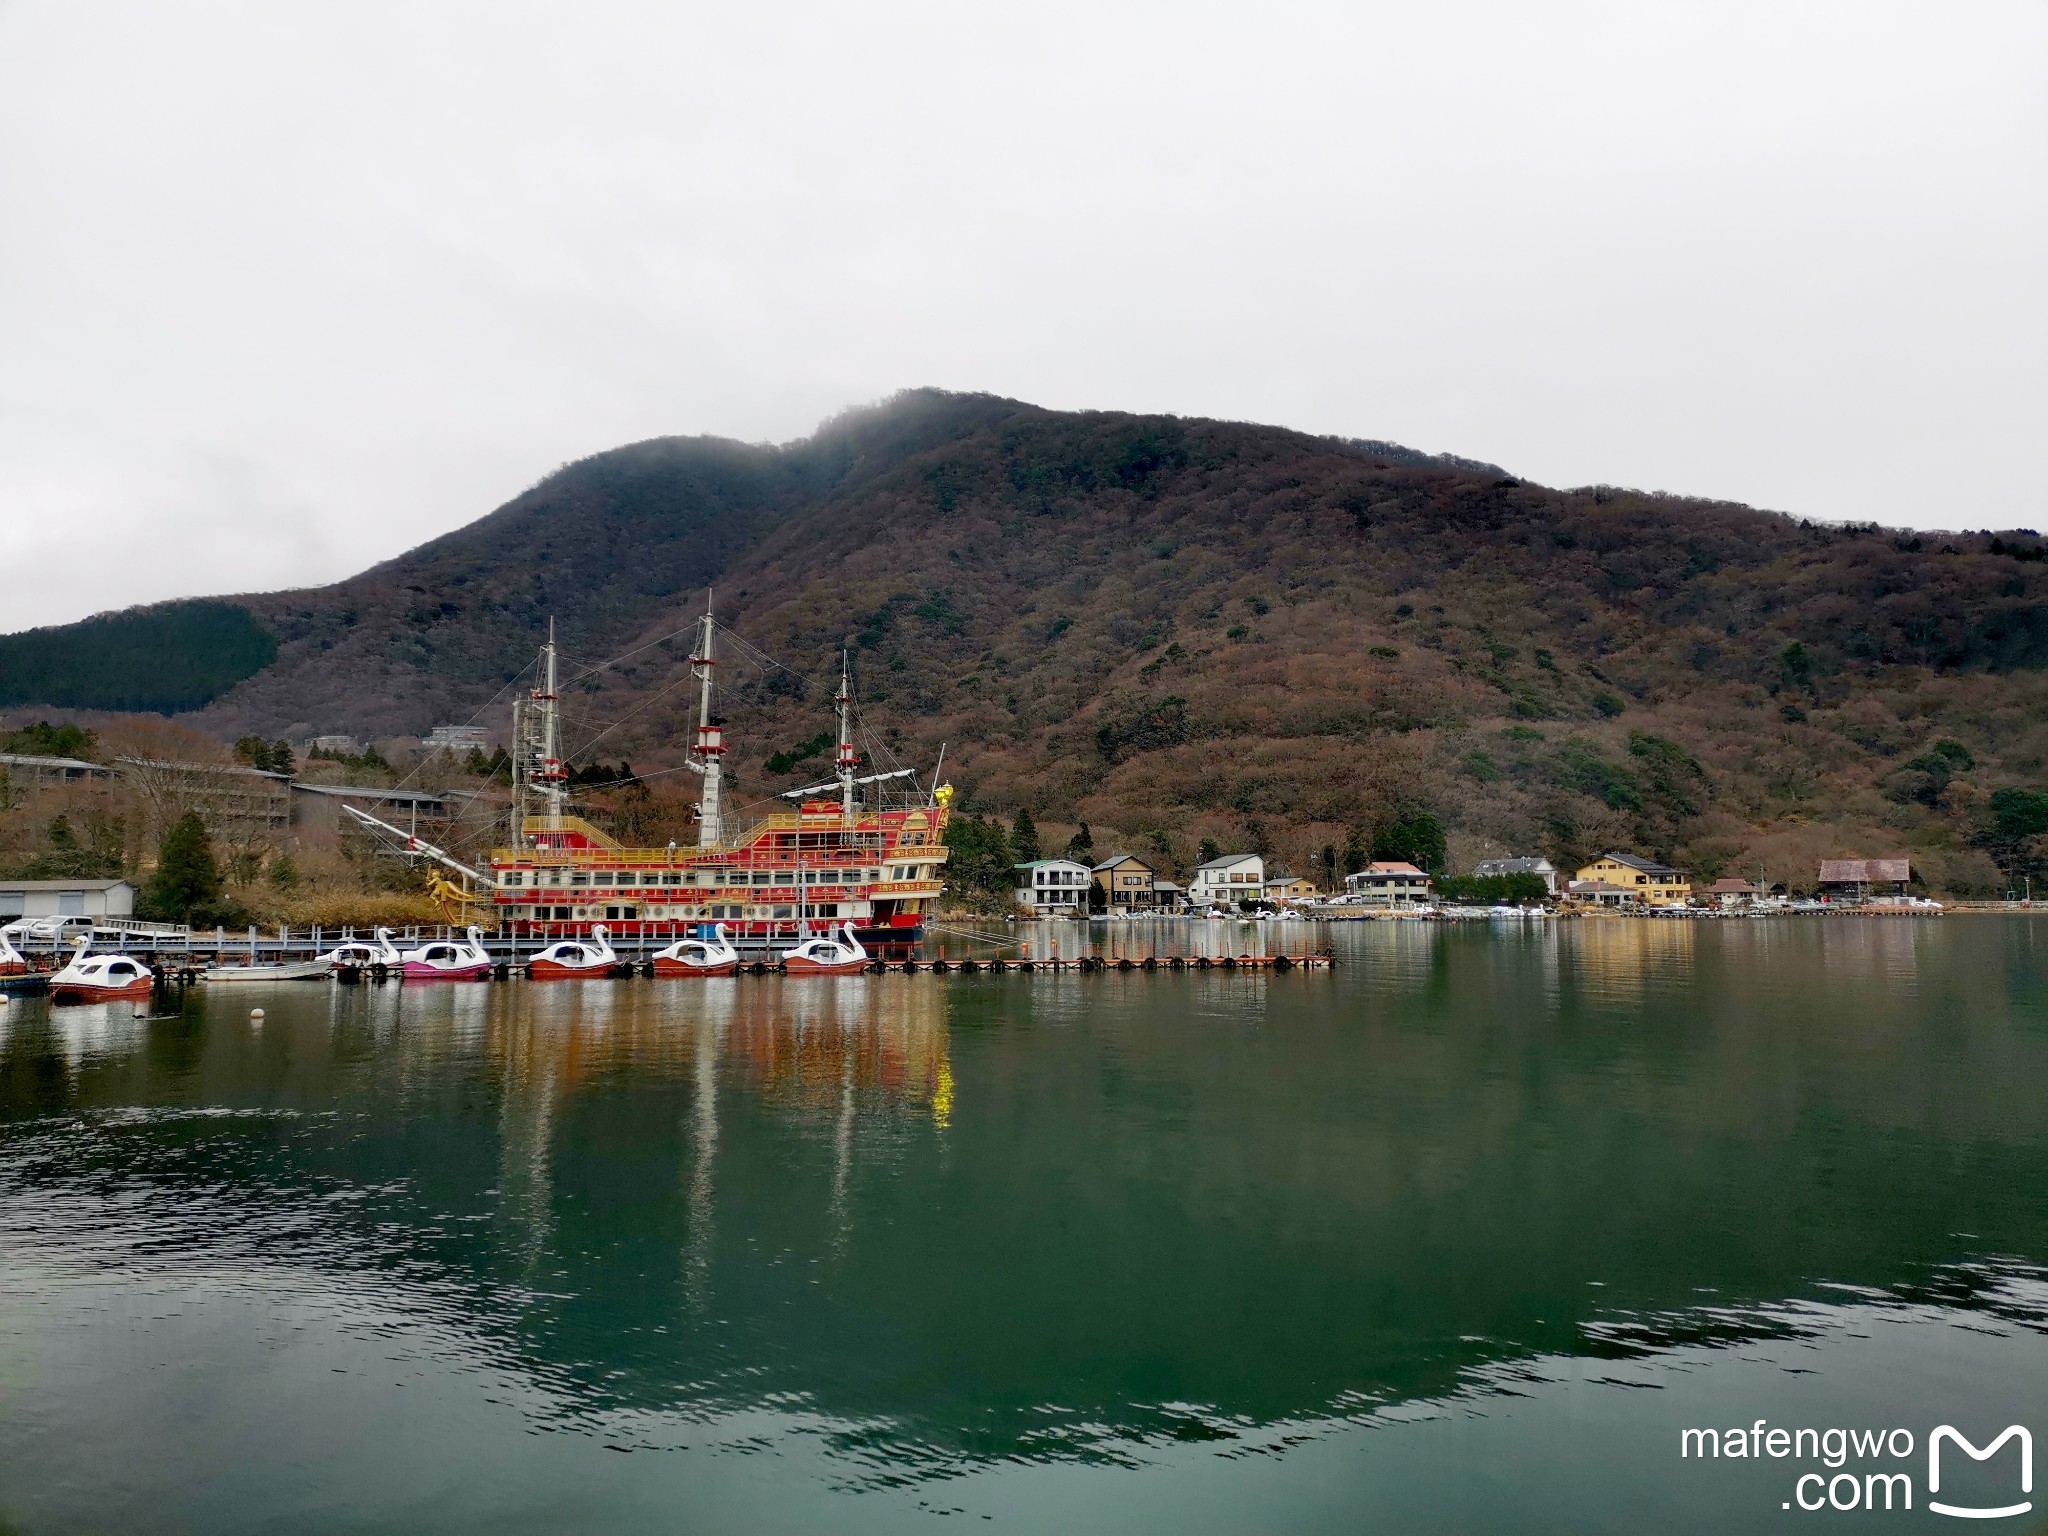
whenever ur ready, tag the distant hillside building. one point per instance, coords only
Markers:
(1389, 883)
(224, 794)
(1229, 880)
(1645, 880)
(457, 738)
(318, 806)
(40, 772)
(1126, 881)
(1498, 869)
(1054, 887)
(1861, 879)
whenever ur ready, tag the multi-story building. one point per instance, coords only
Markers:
(1644, 880)
(1127, 882)
(1389, 883)
(1054, 887)
(1224, 882)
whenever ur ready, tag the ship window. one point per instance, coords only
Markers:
(826, 909)
(627, 877)
(784, 912)
(671, 879)
(763, 877)
(784, 877)
(579, 879)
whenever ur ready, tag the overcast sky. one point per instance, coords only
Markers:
(286, 289)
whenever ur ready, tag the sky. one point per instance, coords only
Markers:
(286, 290)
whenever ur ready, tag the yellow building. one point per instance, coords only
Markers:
(1645, 880)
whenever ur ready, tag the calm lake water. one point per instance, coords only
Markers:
(1460, 1237)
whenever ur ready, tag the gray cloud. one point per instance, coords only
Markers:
(285, 290)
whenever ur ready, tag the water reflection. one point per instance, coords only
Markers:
(957, 1220)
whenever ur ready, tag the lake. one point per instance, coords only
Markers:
(1461, 1236)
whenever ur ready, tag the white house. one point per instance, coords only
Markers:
(1054, 887)
(66, 898)
(1389, 885)
(1494, 869)
(1229, 880)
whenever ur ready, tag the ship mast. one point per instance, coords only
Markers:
(543, 725)
(710, 745)
(847, 761)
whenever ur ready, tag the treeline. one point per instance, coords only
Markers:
(164, 659)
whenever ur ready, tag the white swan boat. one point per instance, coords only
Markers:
(714, 956)
(358, 954)
(100, 978)
(567, 959)
(448, 959)
(827, 955)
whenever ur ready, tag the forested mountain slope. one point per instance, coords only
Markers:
(1177, 629)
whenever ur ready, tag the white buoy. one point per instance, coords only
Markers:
(256, 1014)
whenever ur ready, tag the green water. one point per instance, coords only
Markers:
(1459, 1237)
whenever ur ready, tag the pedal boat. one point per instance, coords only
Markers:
(827, 955)
(714, 956)
(570, 959)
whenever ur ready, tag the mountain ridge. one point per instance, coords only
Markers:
(1166, 624)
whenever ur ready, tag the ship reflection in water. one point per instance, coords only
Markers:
(1186, 1250)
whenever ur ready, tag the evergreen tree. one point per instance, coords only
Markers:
(1024, 836)
(1208, 853)
(1081, 845)
(281, 757)
(187, 883)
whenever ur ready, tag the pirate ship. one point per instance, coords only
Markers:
(863, 850)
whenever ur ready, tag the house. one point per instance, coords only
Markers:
(1860, 879)
(1382, 884)
(1054, 887)
(1285, 887)
(1224, 882)
(1126, 882)
(37, 772)
(1730, 894)
(1168, 897)
(1497, 869)
(1597, 893)
(1647, 881)
(65, 898)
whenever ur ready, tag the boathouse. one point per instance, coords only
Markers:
(1853, 880)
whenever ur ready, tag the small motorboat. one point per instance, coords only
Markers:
(827, 955)
(448, 960)
(286, 970)
(100, 978)
(568, 959)
(714, 956)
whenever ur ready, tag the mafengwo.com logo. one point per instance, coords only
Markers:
(1872, 1469)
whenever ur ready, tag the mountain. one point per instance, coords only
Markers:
(1179, 628)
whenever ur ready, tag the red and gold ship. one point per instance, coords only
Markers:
(825, 862)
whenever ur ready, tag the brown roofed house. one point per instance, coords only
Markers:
(1861, 879)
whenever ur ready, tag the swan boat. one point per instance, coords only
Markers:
(448, 959)
(714, 956)
(359, 954)
(100, 978)
(827, 955)
(567, 959)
